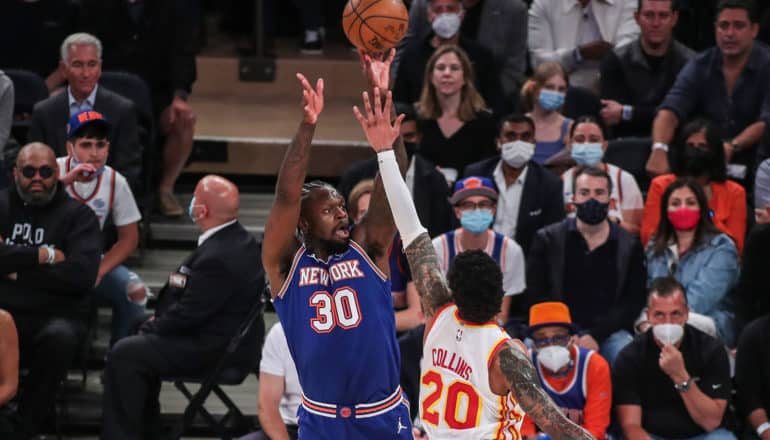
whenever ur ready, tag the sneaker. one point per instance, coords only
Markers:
(168, 205)
(313, 43)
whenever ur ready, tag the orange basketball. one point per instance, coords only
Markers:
(375, 25)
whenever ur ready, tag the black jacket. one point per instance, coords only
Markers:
(542, 202)
(431, 193)
(49, 126)
(546, 268)
(221, 280)
(66, 224)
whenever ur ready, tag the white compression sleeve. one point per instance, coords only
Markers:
(401, 204)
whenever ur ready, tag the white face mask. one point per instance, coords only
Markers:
(517, 153)
(668, 333)
(553, 357)
(446, 25)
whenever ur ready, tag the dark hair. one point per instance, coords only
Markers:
(746, 5)
(591, 171)
(407, 110)
(663, 287)
(717, 170)
(666, 232)
(310, 187)
(516, 118)
(477, 285)
(588, 119)
(674, 5)
(91, 131)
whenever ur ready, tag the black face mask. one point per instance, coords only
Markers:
(697, 161)
(411, 148)
(592, 211)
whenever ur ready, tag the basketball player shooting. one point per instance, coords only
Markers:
(331, 290)
(475, 379)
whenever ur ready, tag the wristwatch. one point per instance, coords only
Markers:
(762, 428)
(660, 146)
(684, 386)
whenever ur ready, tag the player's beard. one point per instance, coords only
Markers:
(333, 247)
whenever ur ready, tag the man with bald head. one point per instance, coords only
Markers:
(50, 248)
(199, 310)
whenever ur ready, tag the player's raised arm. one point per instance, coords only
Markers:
(426, 273)
(520, 374)
(280, 242)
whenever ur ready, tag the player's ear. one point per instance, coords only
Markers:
(303, 225)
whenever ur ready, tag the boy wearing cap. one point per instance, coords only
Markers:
(87, 179)
(576, 378)
(475, 200)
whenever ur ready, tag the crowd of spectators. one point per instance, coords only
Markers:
(646, 295)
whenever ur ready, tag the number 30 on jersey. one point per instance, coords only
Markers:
(338, 309)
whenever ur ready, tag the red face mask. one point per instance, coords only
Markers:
(684, 219)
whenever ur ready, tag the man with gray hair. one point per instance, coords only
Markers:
(81, 67)
(50, 247)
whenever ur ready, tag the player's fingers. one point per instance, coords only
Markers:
(319, 87)
(391, 56)
(359, 116)
(397, 123)
(303, 81)
(368, 106)
(388, 104)
(377, 103)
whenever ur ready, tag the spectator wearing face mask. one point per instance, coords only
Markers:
(576, 379)
(475, 201)
(587, 145)
(672, 381)
(543, 98)
(445, 18)
(689, 247)
(530, 195)
(703, 159)
(592, 265)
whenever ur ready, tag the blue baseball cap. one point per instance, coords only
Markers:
(473, 186)
(84, 118)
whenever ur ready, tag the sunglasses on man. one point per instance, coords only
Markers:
(29, 171)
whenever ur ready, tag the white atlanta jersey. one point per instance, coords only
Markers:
(455, 397)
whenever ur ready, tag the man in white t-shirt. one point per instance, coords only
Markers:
(279, 390)
(475, 202)
(86, 178)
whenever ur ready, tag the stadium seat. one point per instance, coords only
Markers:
(29, 88)
(246, 344)
(581, 102)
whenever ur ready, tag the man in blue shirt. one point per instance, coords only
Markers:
(728, 84)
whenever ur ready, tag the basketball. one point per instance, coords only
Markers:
(375, 25)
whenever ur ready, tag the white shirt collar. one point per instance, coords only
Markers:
(90, 99)
(568, 5)
(211, 231)
(500, 177)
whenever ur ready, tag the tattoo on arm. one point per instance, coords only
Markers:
(427, 276)
(525, 386)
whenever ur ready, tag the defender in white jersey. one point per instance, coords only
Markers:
(459, 385)
(86, 178)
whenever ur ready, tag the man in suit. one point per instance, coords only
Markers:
(530, 196)
(81, 67)
(429, 188)
(199, 310)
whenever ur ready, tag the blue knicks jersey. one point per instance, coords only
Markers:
(572, 399)
(340, 326)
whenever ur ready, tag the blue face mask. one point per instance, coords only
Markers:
(587, 154)
(550, 100)
(476, 221)
(76, 162)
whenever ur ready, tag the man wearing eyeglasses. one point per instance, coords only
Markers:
(49, 257)
(576, 379)
(475, 202)
(728, 84)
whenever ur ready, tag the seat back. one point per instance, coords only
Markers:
(28, 88)
(581, 102)
(631, 155)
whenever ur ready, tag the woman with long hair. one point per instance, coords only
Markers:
(688, 246)
(702, 158)
(587, 144)
(456, 127)
(542, 97)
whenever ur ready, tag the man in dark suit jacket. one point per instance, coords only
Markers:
(530, 196)
(429, 187)
(81, 67)
(199, 310)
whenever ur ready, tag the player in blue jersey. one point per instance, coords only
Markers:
(331, 291)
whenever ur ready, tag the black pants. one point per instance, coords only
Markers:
(132, 378)
(47, 347)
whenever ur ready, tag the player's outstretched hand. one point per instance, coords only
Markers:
(376, 68)
(380, 133)
(312, 99)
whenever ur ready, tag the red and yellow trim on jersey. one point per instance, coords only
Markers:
(489, 324)
(499, 345)
(436, 314)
